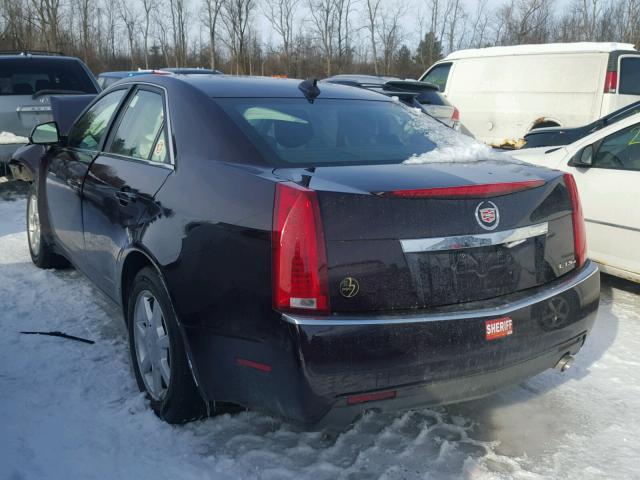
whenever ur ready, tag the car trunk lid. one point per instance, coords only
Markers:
(391, 251)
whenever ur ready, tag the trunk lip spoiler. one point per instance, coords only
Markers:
(510, 238)
(543, 293)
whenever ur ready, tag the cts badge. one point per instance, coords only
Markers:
(487, 215)
(498, 328)
(349, 287)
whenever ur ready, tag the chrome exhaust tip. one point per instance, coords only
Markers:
(565, 363)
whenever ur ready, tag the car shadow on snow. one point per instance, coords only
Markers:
(507, 415)
(11, 190)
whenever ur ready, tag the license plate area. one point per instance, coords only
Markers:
(456, 276)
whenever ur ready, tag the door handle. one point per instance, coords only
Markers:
(125, 197)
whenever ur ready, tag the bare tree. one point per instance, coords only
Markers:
(372, 26)
(281, 14)
(237, 16)
(389, 34)
(178, 11)
(147, 7)
(212, 10)
(323, 20)
(128, 15)
(48, 12)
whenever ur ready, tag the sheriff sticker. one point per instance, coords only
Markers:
(498, 328)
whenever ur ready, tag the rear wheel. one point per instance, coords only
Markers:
(157, 351)
(42, 253)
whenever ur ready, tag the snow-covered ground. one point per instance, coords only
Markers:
(69, 410)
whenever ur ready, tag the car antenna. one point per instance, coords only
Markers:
(310, 89)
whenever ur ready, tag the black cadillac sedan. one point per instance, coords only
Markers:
(270, 248)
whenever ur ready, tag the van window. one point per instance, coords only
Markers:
(438, 75)
(629, 76)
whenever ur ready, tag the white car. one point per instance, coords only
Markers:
(606, 166)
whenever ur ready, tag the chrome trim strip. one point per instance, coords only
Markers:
(590, 269)
(509, 238)
(35, 108)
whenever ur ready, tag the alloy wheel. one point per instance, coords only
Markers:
(33, 225)
(152, 345)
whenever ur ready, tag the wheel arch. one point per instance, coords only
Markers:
(133, 261)
(543, 122)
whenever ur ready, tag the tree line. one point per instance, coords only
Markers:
(300, 38)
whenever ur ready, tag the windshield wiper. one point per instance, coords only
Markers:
(51, 91)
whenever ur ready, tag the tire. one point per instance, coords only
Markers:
(157, 351)
(42, 254)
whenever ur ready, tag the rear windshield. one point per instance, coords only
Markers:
(294, 132)
(431, 97)
(27, 76)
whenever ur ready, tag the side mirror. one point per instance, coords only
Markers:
(45, 134)
(584, 158)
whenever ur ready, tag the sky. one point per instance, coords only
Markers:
(411, 28)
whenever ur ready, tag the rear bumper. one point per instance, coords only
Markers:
(442, 356)
(426, 358)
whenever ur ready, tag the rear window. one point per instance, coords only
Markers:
(630, 76)
(431, 97)
(438, 76)
(294, 132)
(27, 76)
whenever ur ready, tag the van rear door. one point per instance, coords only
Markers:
(628, 84)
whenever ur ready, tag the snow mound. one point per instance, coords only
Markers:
(451, 145)
(8, 138)
(458, 153)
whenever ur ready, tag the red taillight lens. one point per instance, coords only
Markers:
(471, 191)
(579, 232)
(456, 115)
(611, 82)
(300, 281)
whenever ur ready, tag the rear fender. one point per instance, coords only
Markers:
(187, 348)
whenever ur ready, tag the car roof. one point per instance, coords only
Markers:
(230, 86)
(190, 70)
(34, 57)
(576, 47)
(123, 73)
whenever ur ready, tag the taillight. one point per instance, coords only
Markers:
(611, 82)
(455, 116)
(471, 191)
(579, 233)
(300, 280)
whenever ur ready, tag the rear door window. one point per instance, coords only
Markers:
(33, 75)
(438, 75)
(138, 132)
(629, 76)
(87, 133)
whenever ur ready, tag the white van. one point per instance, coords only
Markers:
(503, 92)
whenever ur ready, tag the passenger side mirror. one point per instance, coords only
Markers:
(584, 158)
(45, 134)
